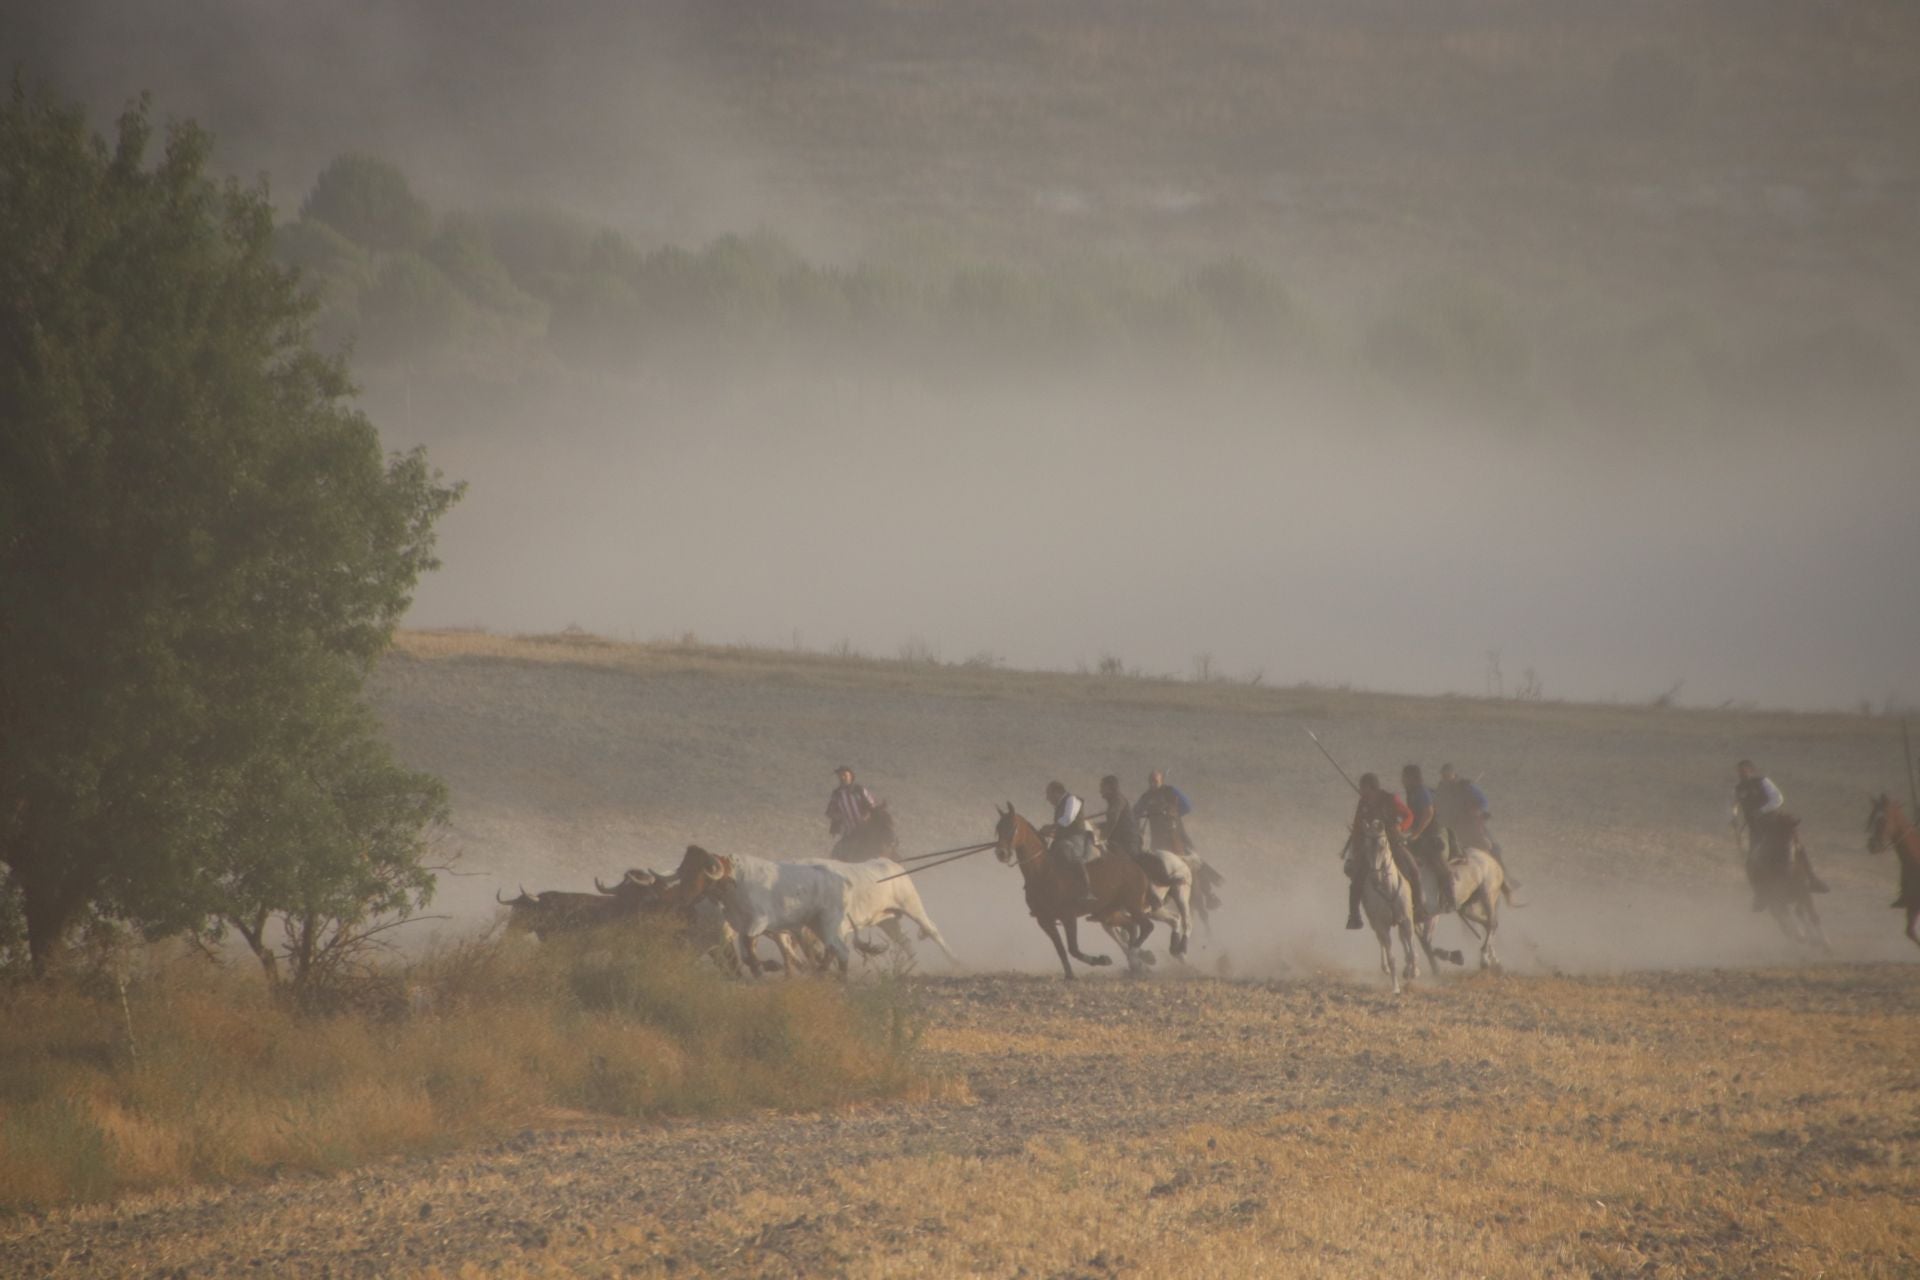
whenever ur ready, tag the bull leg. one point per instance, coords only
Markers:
(929, 933)
(749, 961)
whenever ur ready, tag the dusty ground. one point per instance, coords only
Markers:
(1660, 1085)
(1701, 1123)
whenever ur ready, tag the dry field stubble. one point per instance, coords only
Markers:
(1716, 1123)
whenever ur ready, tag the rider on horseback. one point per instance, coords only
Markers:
(1164, 808)
(1424, 838)
(850, 804)
(1460, 806)
(1771, 845)
(1121, 830)
(1377, 804)
(1071, 839)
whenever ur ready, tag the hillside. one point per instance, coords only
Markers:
(570, 757)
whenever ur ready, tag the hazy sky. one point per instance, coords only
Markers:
(1310, 534)
(1055, 527)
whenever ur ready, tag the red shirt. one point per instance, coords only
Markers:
(1386, 808)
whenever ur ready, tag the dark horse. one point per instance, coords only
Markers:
(1784, 879)
(1126, 905)
(1888, 828)
(873, 837)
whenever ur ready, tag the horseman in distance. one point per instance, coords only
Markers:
(861, 826)
(1773, 852)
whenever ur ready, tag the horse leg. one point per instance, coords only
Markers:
(1816, 935)
(1051, 928)
(1183, 923)
(1384, 934)
(1913, 919)
(1142, 930)
(1072, 923)
(1412, 966)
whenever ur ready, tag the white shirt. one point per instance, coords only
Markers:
(1068, 811)
(1767, 789)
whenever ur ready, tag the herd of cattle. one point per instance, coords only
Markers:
(814, 911)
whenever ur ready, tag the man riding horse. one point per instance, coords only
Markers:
(1771, 846)
(1120, 831)
(1070, 838)
(1378, 805)
(849, 809)
(1164, 809)
(1460, 806)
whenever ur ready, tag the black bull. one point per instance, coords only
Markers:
(558, 911)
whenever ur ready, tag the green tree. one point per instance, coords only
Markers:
(202, 552)
(369, 202)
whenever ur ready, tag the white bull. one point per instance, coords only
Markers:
(779, 898)
(880, 894)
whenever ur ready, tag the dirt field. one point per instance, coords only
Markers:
(1660, 1085)
(1724, 1123)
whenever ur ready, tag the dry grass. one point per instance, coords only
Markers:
(847, 670)
(1717, 1125)
(203, 1078)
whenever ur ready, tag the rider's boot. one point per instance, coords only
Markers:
(1353, 904)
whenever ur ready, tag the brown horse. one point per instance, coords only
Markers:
(1888, 828)
(1784, 880)
(1126, 905)
(874, 837)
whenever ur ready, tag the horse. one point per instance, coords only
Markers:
(1888, 828)
(872, 837)
(1126, 906)
(1166, 834)
(1475, 883)
(1783, 879)
(1386, 898)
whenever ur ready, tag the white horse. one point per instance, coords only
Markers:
(1386, 898)
(1477, 882)
(1171, 878)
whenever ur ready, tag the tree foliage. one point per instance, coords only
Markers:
(202, 550)
(369, 202)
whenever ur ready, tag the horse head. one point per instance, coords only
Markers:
(1008, 833)
(1375, 851)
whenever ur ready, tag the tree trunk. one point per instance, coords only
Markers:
(255, 934)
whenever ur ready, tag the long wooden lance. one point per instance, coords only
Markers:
(1330, 760)
(1913, 790)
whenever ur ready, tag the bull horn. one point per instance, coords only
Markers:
(602, 888)
(497, 898)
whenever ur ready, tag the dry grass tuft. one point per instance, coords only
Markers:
(214, 1081)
